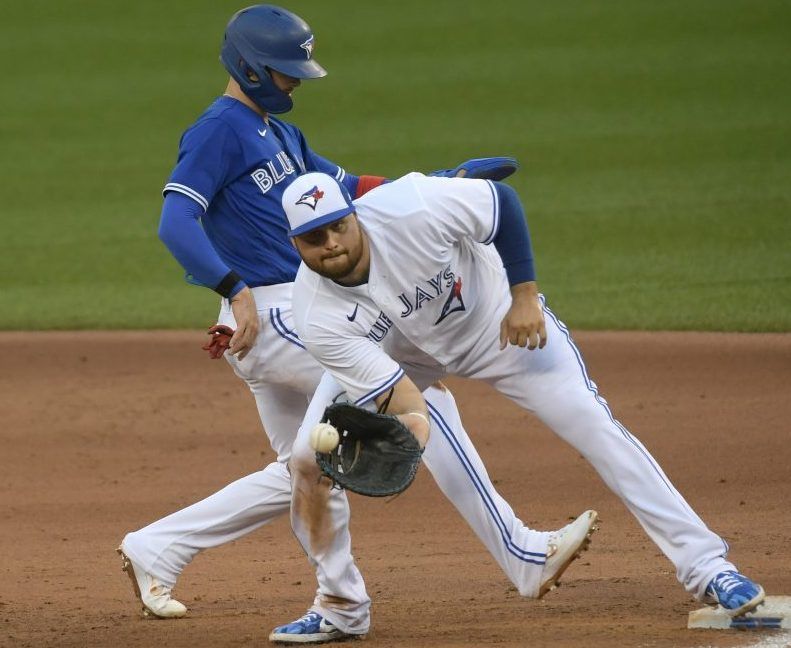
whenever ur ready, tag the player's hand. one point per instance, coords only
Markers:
(523, 324)
(247, 323)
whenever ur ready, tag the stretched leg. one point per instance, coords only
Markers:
(461, 475)
(281, 377)
(165, 547)
(553, 382)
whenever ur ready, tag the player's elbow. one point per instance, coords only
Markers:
(163, 231)
(179, 215)
(167, 231)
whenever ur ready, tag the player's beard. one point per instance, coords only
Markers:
(340, 266)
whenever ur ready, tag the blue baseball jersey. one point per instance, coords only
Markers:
(235, 166)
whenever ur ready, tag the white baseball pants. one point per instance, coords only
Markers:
(282, 377)
(552, 383)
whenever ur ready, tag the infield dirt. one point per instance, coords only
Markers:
(105, 432)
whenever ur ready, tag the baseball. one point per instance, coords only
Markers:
(324, 438)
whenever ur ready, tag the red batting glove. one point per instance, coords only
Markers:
(219, 342)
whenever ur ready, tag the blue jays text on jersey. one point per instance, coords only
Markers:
(432, 288)
(235, 166)
(380, 328)
(274, 173)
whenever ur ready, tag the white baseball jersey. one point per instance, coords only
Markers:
(434, 286)
(434, 301)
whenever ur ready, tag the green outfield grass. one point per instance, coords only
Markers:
(655, 139)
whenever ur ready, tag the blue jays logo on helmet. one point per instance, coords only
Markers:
(311, 197)
(308, 46)
(265, 38)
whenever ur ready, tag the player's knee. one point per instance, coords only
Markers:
(303, 463)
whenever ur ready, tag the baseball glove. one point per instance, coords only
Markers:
(377, 455)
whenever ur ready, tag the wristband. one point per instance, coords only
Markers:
(423, 416)
(368, 182)
(227, 284)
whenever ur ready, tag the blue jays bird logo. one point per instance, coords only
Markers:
(311, 198)
(308, 46)
(454, 302)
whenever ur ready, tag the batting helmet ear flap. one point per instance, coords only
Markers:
(263, 38)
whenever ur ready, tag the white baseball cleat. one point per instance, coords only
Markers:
(154, 596)
(565, 545)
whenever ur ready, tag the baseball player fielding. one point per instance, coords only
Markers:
(324, 438)
(402, 285)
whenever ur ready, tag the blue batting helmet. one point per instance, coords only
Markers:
(264, 37)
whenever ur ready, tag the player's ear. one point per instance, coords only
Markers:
(294, 243)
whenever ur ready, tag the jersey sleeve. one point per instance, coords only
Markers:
(359, 365)
(204, 161)
(461, 207)
(355, 361)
